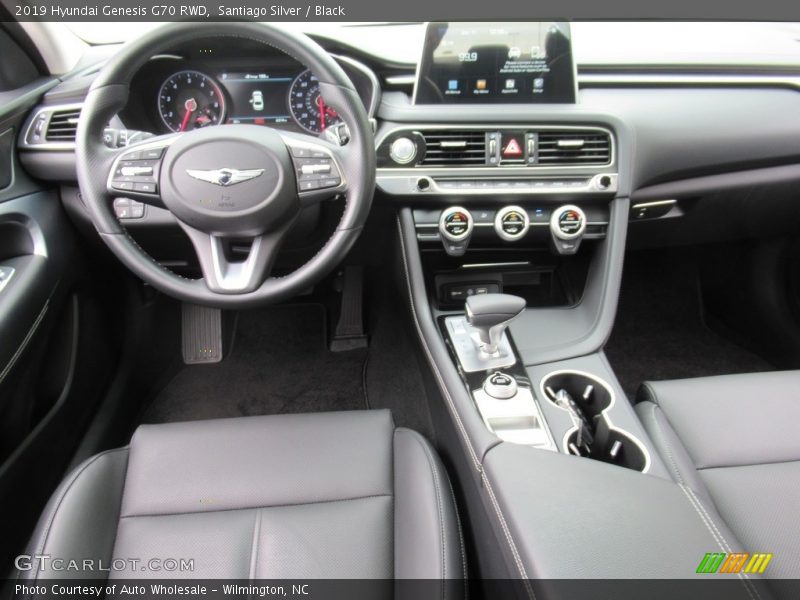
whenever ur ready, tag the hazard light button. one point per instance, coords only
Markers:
(512, 147)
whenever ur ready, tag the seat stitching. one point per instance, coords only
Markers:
(682, 482)
(255, 545)
(435, 476)
(742, 575)
(695, 501)
(760, 464)
(721, 541)
(460, 534)
(46, 534)
(222, 510)
(509, 538)
(667, 448)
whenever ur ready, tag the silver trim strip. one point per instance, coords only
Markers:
(400, 80)
(392, 183)
(640, 205)
(659, 79)
(4, 282)
(656, 79)
(519, 263)
(24, 344)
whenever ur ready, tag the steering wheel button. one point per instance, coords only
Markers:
(153, 153)
(331, 182)
(122, 185)
(300, 152)
(305, 186)
(145, 188)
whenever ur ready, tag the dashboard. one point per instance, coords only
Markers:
(202, 86)
(626, 134)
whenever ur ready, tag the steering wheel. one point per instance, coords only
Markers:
(236, 183)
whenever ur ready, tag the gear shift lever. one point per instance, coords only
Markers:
(490, 314)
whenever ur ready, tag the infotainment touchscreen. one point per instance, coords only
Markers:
(496, 63)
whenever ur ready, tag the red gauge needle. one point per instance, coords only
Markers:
(321, 107)
(190, 105)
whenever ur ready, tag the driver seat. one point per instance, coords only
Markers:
(324, 495)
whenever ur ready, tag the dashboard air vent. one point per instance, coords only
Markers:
(454, 148)
(574, 147)
(63, 125)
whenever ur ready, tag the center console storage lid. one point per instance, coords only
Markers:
(572, 518)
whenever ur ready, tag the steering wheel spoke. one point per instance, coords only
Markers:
(135, 169)
(235, 265)
(317, 167)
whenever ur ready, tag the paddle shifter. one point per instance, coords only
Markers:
(489, 315)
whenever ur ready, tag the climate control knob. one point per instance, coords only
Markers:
(567, 226)
(455, 227)
(403, 151)
(512, 223)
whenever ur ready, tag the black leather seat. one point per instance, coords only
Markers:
(732, 443)
(329, 495)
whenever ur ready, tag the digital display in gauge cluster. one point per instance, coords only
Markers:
(257, 98)
(273, 98)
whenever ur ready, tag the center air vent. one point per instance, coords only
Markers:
(453, 148)
(62, 126)
(574, 147)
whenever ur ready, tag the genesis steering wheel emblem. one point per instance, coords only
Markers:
(225, 176)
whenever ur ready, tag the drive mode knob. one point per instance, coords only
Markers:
(512, 223)
(501, 386)
(403, 150)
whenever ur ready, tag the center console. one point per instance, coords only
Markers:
(512, 221)
(515, 235)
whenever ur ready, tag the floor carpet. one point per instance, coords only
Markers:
(660, 330)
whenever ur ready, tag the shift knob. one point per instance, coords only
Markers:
(490, 314)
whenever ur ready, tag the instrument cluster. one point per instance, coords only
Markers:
(205, 88)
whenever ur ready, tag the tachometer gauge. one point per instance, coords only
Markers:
(307, 106)
(190, 100)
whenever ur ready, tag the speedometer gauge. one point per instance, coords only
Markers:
(307, 106)
(190, 100)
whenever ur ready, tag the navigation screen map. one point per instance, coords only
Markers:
(496, 63)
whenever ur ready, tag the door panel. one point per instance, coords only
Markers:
(56, 359)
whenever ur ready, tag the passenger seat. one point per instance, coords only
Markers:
(733, 443)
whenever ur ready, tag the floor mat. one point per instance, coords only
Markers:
(279, 364)
(392, 375)
(660, 332)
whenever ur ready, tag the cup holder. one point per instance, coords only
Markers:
(587, 400)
